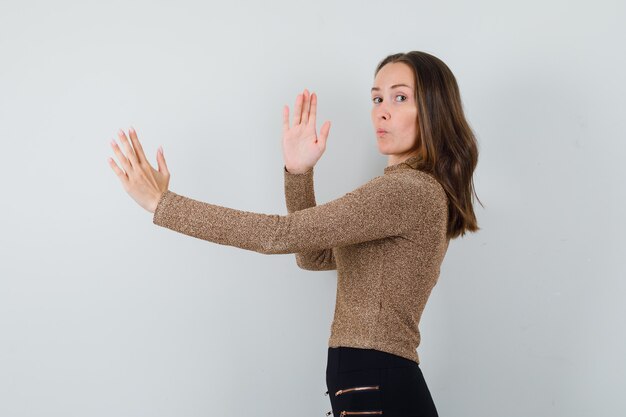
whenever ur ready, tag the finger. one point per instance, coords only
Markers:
(120, 174)
(313, 113)
(297, 111)
(137, 146)
(306, 106)
(285, 119)
(324, 132)
(120, 155)
(130, 153)
(161, 162)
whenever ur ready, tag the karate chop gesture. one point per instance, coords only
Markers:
(302, 147)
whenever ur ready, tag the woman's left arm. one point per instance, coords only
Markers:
(384, 206)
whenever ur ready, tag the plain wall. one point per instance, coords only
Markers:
(102, 313)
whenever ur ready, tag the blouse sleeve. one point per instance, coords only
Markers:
(299, 195)
(382, 207)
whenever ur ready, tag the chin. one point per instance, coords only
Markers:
(382, 149)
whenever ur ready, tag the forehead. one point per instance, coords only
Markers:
(394, 73)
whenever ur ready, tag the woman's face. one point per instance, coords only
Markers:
(394, 111)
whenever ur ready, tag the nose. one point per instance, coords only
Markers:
(382, 112)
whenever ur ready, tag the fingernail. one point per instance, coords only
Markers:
(120, 132)
(161, 150)
(132, 129)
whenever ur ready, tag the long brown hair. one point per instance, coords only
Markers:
(447, 147)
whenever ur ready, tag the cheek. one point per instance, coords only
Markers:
(409, 120)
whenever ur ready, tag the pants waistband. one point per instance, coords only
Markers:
(346, 359)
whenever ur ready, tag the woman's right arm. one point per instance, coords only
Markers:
(302, 148)
(299, 195)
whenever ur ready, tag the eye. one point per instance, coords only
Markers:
(404, 98)
(376, 100)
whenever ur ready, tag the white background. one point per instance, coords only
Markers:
(102, 313)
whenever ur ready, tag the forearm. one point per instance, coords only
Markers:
(299, 195)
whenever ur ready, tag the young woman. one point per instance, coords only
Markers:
(386, 239)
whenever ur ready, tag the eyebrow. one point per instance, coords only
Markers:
(393, 86)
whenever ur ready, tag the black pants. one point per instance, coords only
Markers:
(370, 382)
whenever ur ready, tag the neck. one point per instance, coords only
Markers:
(396, 159)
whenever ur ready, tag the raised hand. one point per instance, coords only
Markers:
(302, 147)
(140, 180)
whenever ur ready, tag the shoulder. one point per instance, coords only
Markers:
(420, 185)
(415, 179)
(409, 185)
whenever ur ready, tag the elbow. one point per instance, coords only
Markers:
(305, 263)
(302, 264)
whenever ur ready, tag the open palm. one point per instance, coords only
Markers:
(141, 181)
(302, 147)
